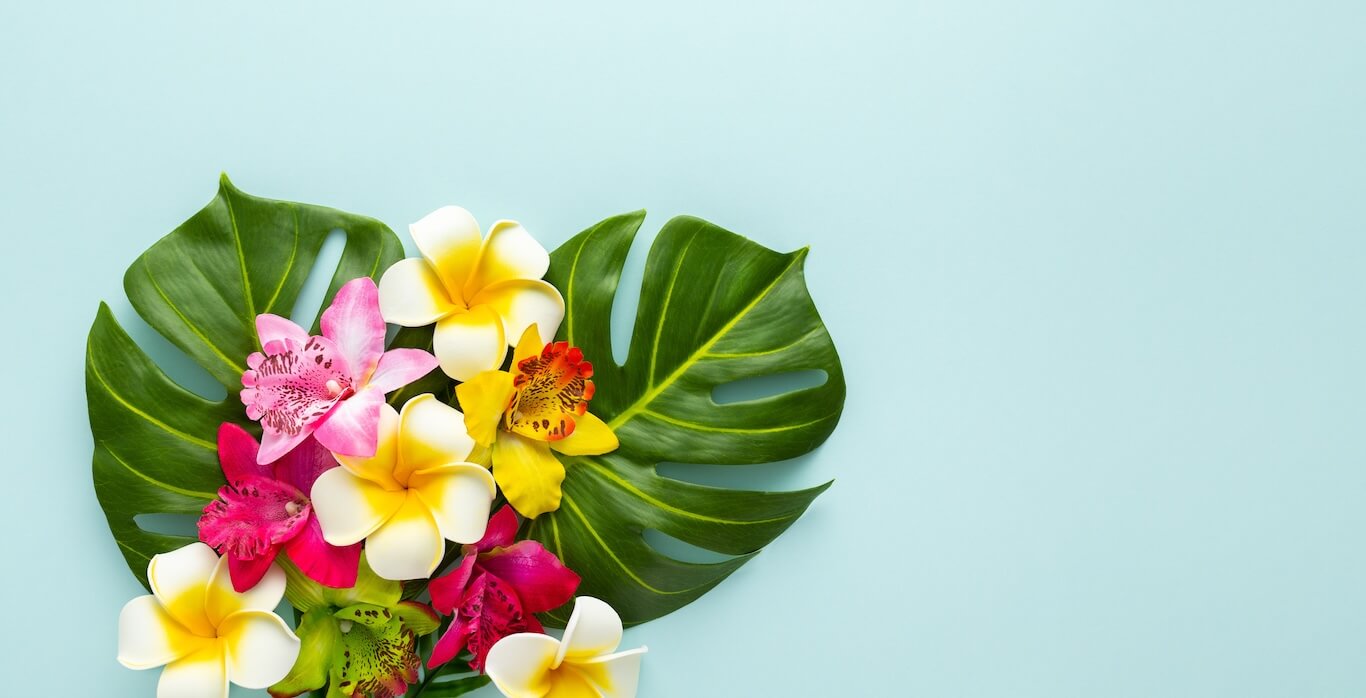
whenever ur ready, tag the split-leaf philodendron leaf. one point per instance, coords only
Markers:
(714, 308)
(201, 287)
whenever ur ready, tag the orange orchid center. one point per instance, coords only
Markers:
(551, 389)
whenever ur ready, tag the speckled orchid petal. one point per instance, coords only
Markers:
(540, 580)
(260, 648)
(273, 328)
(458, 496)
(374, 656)
(408, 545)
(203, 674)
(591, 437)
(352, 429)
(149, 637)
(508, 252)
(179, 579)
(431, 434)
(449, 241)
(522, 303)
(399, 367)
(355, 326)
(489, 611)
(350, 508)
(249, 519)
(553, 390)
(411, 294)
(520, 664)
(291, 388)
(469, 342)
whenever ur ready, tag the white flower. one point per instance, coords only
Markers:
(482, 295)
(202, 631)
(585, 663)
(415, 493)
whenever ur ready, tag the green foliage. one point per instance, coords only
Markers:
(714, 308)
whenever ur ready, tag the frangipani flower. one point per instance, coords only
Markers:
(585, 664)
(481, 295)
(202, 631)
(265, 508)
(416, 492)
(330, 386)
(499, 584)
(360, 641)
(522, 416)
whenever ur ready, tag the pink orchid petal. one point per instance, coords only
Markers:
(237, 451)
(488, 613)
(329, 565)
(448, 647)
(246, 574)
(354, 323)
(540, 580)
(501, 531)
(399, 367)
(252, 516)
(273, 328)
(302, 466)
(295, 386)
(353, 428)
(448, 589)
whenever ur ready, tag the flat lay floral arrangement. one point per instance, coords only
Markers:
(430, 500)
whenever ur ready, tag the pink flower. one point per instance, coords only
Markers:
(265, 509)
(330, 387)
(496, 589)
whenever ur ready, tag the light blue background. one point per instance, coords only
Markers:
(1095, 270)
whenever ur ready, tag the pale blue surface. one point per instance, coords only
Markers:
(1095, 270)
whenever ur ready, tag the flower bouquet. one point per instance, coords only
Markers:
(429, 500)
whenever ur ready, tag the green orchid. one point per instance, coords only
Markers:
(359, 642)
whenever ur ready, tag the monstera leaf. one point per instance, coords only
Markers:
(201, 287)
(714, 308)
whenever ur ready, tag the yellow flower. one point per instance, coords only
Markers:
(585, 663)
(480, 293)
(521, 416)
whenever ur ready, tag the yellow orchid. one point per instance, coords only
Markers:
(480, 293)
(202, 631)
(522, 415)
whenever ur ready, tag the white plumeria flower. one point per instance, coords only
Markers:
(585, 664)
(416, 492)
(202, 631)
(482, 295)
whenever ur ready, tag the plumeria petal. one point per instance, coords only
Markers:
(222, 600)
(179, 579)
(540, 580)
(594, 629)
(399, 367)
(379, 468)
(350, 508)
(459, 496)
(485, 398)
(260, 648)
(406, 546)
(449, 240)
(508, 252)
(353, 427)
(273, 328)
(501, 532)
(520, 664)
(203, 674)
(528, 473)
(522, 303)
(237, 451)
(591, 437)
(150, 637)
(411, 294)
(431, 434)
(469, 342)
(354, 325)
(614, 675)
(329, 565)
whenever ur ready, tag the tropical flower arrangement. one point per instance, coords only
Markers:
(428, 500)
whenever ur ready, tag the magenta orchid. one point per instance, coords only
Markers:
(499, 584)
(265, 509)
(332, 386)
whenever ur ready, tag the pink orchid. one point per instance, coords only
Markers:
(265, 509)
(499, 584)
(330, 387)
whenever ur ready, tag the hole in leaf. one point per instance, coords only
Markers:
(175, 363)
(666, 544)
(169, 524)
(762, 477)
(760, 387)
(313, 295)
(627, 299)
